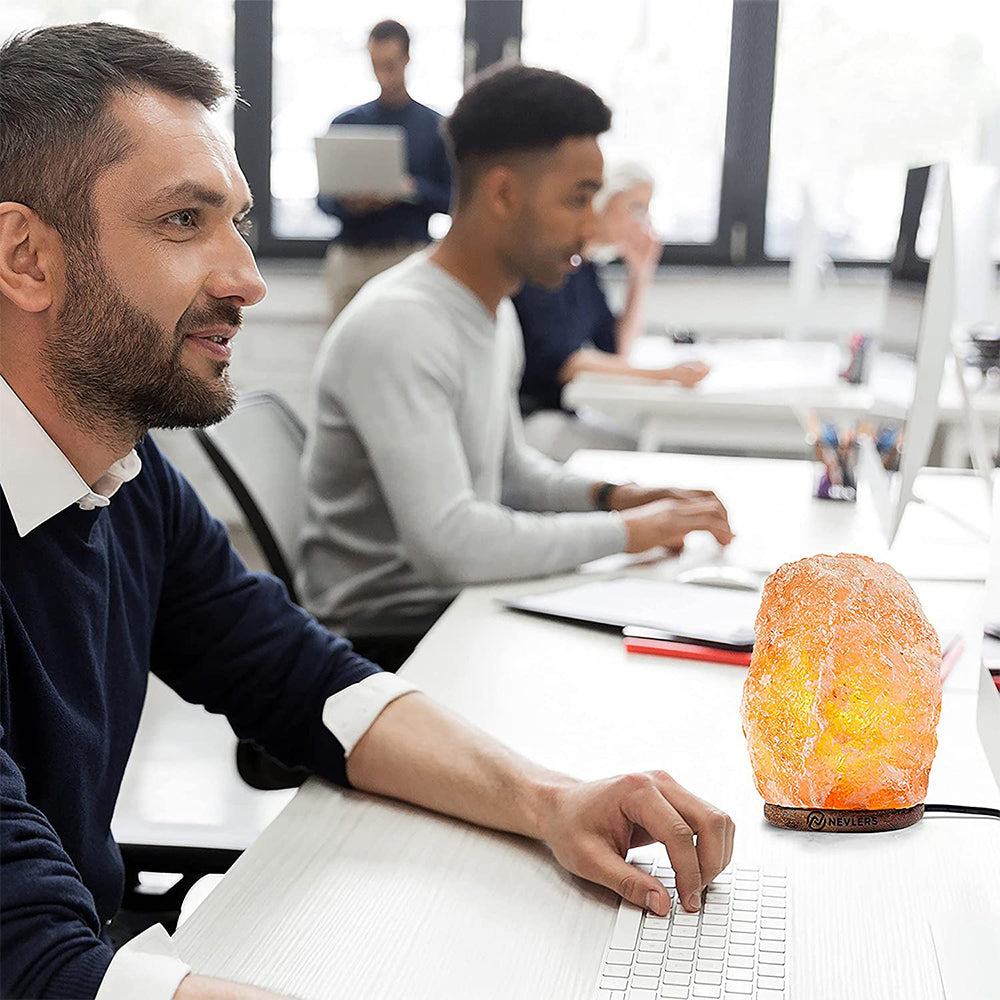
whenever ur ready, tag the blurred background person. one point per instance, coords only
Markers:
(378, 231)
(574, 329)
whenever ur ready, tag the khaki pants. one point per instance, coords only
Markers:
(347, 268)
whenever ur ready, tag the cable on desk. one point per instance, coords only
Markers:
(963, 810)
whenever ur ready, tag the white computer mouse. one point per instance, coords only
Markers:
(733, 577)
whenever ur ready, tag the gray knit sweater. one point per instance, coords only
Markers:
(418, 480)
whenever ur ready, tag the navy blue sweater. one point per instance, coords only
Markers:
(427, 163)
(91, 602)
(556, 325)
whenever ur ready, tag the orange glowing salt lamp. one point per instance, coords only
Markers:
(842, 699)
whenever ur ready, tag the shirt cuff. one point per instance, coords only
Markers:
(349, 714)
(147, 967)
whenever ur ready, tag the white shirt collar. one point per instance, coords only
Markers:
(37, 479)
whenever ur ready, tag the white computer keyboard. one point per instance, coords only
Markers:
(735, 947)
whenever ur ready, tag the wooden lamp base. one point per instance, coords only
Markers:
(842, 820)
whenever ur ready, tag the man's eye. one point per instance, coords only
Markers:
(186, 218)
(244, 226)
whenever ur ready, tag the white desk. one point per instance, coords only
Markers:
(346, 895)
(757, 394)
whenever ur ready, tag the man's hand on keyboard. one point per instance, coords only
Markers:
(591, 826)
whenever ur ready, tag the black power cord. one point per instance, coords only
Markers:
(963, 810)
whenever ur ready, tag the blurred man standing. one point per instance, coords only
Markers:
(380, 231)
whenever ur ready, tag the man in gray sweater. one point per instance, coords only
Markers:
(418, 479)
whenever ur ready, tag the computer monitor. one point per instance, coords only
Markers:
(919, 316)
(988, 706)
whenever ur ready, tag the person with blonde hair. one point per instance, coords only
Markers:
(573, 329)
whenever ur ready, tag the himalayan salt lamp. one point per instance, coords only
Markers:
(842, 698)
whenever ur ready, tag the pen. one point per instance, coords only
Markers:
(686, 651)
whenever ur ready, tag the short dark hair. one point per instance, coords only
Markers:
(56, 134)
(514, 109)
(385, 31)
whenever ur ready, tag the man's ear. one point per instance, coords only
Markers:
(502, 191)
(31, 258)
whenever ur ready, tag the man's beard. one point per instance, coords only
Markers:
(116, 371)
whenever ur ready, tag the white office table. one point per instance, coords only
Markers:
(758, 393)
(347, 895)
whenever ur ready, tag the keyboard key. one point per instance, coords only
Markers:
(652, 934)
(612, 984)
(737, 938)
(772, 946)
(626, 929)
(680, 955)
(645, 969)
(744, 905)
(672, 965)
(735, 948)
(616, 972)
(711, 907)
(772, 912)
(738, 989)
(713, 931)
(684, 931)
(705, 950)
(658, 923)
(770, 934)
(683, 942)
(664, 870)
(674, 992)
(770, 995)
(651, 947)
(740, 975)
(717, 919)
(708, 978)
(740, 962)
(773, 960)
(707, 991)
(771, 924)
(645, 983)
(774, 892)
(770, 983)
(682, 917)
(615, 957)
(676, 978)
(708, 965)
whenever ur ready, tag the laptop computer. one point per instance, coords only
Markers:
(362, 160)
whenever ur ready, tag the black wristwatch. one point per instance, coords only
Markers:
(602, 496)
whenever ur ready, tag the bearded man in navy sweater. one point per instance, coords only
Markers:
(123, 273)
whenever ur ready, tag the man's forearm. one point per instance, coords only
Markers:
(419, 752)
(629, 319)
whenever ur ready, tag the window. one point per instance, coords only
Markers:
(206, 27)
(864, 90)
(663, 67)
(321, 67)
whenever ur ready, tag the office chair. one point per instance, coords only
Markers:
(257, 451)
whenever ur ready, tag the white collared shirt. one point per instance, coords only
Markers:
(38, 482)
